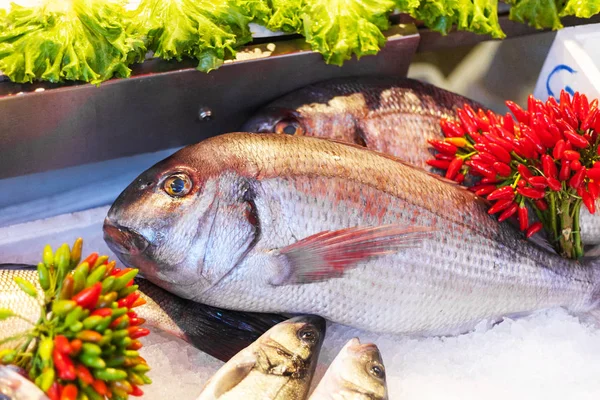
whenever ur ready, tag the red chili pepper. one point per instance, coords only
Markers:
(136, 391)
(88, 297)
(136, 332)
(527, 147)
(577, 179)
(509, 212)
(441, 164)
(454, 167)
(66, 369)
(594, 190)
(445, 157)
(521, 183)
(554, 184)
(502, 169)
(531, 106)
(102, 312)
(505, 192)
(135, 345)
(484, 157)
(129, 300)
(571, 155)
(508, 123)
(467, 121)
(569, 116)
(524, 171)
(53, 393)
(61, 343)
(482, 190)
(91, 259)
(533, 229)
(500, 153)
(75, 347)
(503, 133)
(493, 118)
(84, 374)
(547, 139)
(451, 129)
(523, 218)
(531, 193)
(565, 99)
(529, 134)
(69, 392)
(115, 272)
(100, 387)
(541, 205)
(548, 166)
(576, 165)
(565, 171)
(482, 120)
(559, 149)
(522, 150)
(589, 202)
(589, 121)
(489, 180)
(497, 139)
(460, 178)
(483, 169)
(576, 140)
(520, 114)
(136, 321)
(538, 182)
(576, 103)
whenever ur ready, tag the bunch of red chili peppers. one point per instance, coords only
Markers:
(546, 160)
(85, 344)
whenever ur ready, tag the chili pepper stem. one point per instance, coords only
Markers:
(553, 212)
(578, 247)
(566, 228)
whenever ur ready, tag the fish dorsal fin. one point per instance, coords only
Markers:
(329, 254)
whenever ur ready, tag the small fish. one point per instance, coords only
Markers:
(219, 333)
(357, 373)
(303, 225)
(395, 116)
(278, 366)
(14, 386)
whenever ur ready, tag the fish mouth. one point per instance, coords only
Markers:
(122, 240)
(355, 345)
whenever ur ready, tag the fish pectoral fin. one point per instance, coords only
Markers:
(329, 254)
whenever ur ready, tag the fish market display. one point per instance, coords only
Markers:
(278, 366)
(278, 223)
(394, 116)
(14, 386)
(357, 373)
(220, 333)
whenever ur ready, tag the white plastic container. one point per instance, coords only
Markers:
(572, 64)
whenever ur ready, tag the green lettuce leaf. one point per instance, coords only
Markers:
(479, 16)
(206, 30)
(67, 40)
(537, 13)
(285, 16)
(581, 8)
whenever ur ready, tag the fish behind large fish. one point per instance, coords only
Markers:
(395, 116)
(278, 366)
(278, 223)
(356, 373)
(219, 333)
(14, 386)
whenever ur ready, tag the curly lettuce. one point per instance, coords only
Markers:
(82, 40)
(547, 13)
(206, 30)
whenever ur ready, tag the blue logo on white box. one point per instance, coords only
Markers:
(560, 70)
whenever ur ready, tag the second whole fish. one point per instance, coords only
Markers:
(356, 373)
(278, 366)
(277, 223)
(396, 116)
(219, 333)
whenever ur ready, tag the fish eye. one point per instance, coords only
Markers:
(289, 126)
(376, 370)
(308, 335)
(177, 185)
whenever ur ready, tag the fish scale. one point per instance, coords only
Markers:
(472, 268)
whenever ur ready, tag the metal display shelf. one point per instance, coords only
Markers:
(166, 104)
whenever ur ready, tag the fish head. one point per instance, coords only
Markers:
(164, 223)
(312, 112)
(292, 347)
(360, 368)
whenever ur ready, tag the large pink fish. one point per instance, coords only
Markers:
(277, 223)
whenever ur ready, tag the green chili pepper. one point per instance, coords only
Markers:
(110, 374)
(76, 252)
(7, 355)
(46, 379)
(123, 342)
(96, 275)
(92, 361)
(66, 291)
(76, 327)
(127, 291)
(92, 349)
(103, 324)
(141, 368)
(45, 349)
(101, 260)
(92, 321)
(6, 313)
(48, 256)
(74, 316)
(91, 393)
(135, 378)
(63, 307)
(44, 276)
(107, 284)
(107, 300)
(124, 279)
(26, 286)
(115, 361)
(62, 259)
(146, 380)
(120, 334)
(132, 353)
(121, 385)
